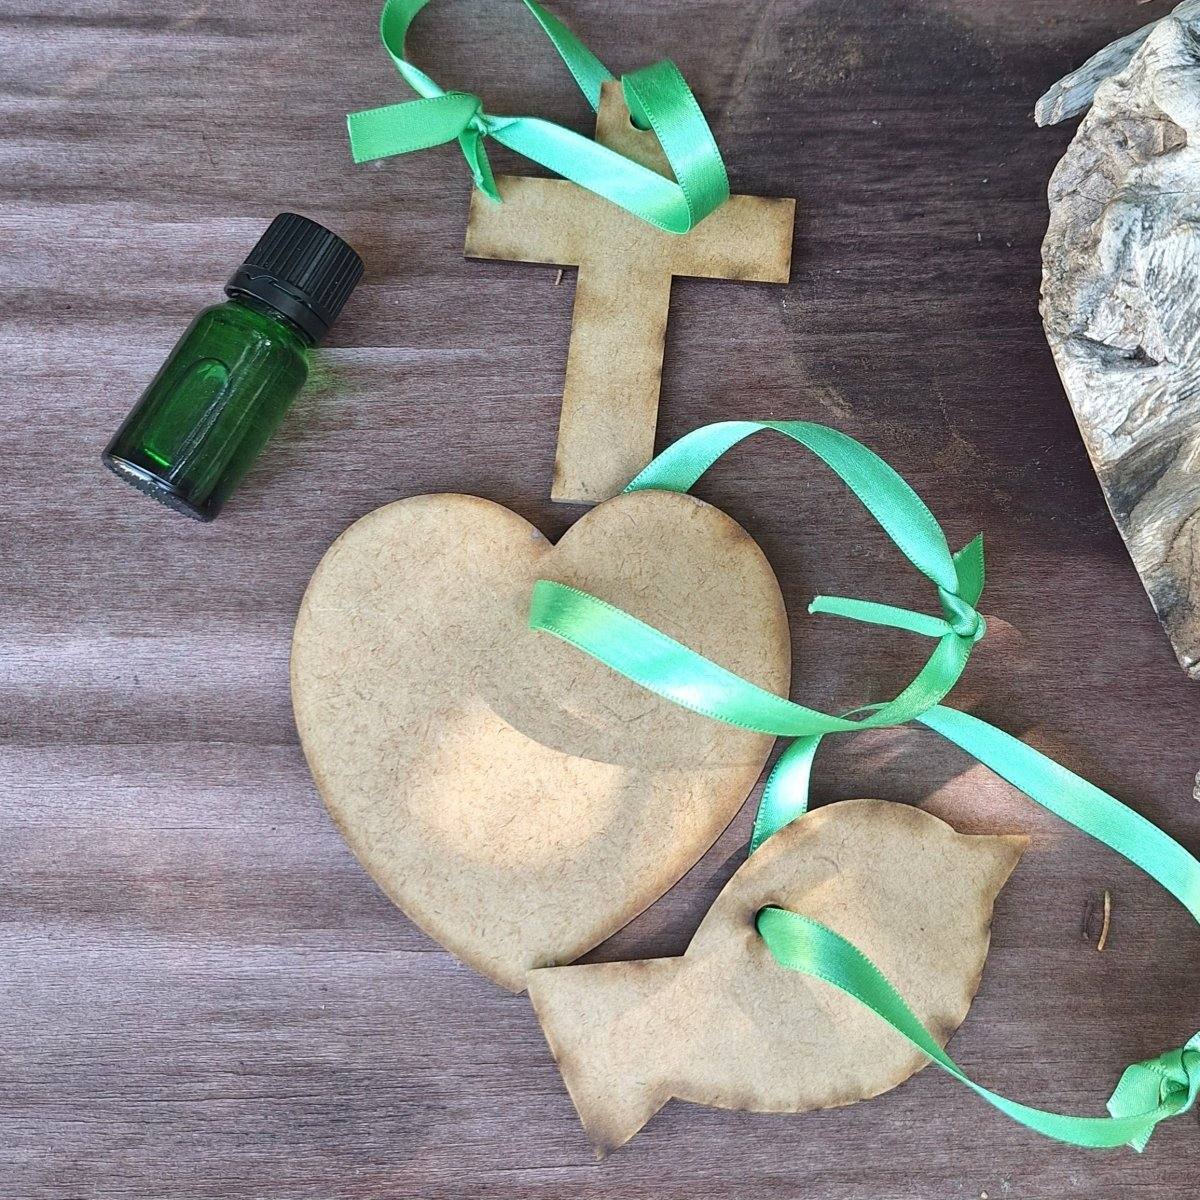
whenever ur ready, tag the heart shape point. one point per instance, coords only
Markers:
(519, 801)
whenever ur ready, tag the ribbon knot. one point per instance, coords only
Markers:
(657, 96)
(963, 618)
(479, 121)
(1158, 1088)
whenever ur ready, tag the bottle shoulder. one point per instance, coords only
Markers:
(233, 320)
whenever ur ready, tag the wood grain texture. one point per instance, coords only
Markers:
(202, 993)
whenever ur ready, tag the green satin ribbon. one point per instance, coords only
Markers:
(657, 96)
(1148, 1092)
(677, 673)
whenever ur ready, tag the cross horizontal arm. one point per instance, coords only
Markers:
(538, 221)
(747, 238)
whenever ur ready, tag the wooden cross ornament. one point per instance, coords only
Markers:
(622, 294)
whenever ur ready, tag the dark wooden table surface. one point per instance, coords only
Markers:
(201, 993)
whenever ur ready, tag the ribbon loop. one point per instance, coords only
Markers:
(658, 98)
(672, 670)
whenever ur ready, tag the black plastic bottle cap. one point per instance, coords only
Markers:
(301, 270)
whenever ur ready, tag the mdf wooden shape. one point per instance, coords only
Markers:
(517, 799)
(622, 294)
(726, 1026)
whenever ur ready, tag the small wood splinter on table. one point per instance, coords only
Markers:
(1097, 919)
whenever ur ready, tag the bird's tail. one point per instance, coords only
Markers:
(609, 1028)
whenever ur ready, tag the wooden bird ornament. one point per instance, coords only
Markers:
(725, 1026)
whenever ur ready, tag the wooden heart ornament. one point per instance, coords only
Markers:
(518, 800)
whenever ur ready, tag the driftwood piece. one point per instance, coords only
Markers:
(622, 295)
(517, 799)
(1121, 273)
(726, 1026)
(1073, 93)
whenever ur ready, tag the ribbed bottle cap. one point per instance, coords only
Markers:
(301, 270)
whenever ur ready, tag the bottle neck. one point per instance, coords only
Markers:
(264, 309)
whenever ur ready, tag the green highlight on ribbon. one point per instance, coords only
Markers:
(657, 96)
(677, 673)
(1148, 1092)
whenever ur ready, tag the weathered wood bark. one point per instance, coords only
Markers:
(1073, 93)
(1121, 276)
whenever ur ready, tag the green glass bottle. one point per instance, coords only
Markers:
(229, 380)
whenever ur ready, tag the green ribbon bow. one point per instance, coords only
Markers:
(657, 96)
(1148, 1092)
